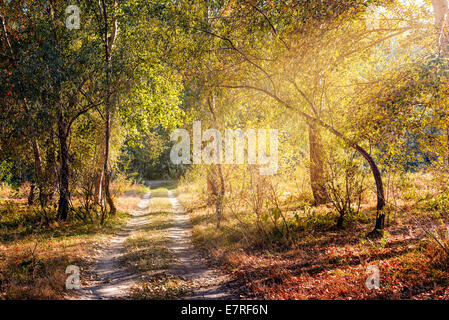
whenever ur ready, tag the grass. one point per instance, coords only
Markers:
(316, 260)
(319, 261)
(34, 256)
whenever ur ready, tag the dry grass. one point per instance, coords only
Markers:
(322, 262)
(162, 287)
(34, 256)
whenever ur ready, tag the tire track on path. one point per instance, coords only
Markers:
(114, 278)
(209, 284)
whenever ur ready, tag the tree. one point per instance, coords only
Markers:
(108, 41)
(294, 55)
(51, 78)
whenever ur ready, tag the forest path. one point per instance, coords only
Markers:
(208, 283)
(113, 279)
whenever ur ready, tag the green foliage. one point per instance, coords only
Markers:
(439, 204)
(5, 172)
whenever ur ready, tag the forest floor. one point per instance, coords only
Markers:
(152, 257)
(34, 256)
(145, 251)
(164, 244)
(316, 260)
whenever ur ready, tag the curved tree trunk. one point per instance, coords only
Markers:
(317, 166)
(380, 217)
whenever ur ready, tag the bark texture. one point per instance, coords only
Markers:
(317, 166)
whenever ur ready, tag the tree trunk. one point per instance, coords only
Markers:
(98, 183)
(63, 205)
(51, 170)
(440, 9)
(107, 134)
(441, 13)
(37, 170)
(340, 221)
(108, 44)
(168, 169)
(317, 166)
(217, 182)
(380, 216)
(37, 159)
(31, 195)
(105, 175)
(216, 190)
(447, 144)
(107, 192)
(221, 193)
(99, 176)
(211, 188)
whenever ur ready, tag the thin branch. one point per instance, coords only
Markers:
(269, 22)
(239, 52)
(5, 34)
